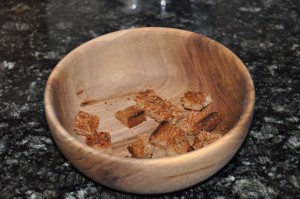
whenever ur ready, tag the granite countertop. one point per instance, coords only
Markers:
(35, 35)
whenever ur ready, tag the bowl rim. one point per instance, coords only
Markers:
(245, 115)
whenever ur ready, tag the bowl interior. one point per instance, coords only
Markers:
(103, 75)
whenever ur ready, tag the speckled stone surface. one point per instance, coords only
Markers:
(35, 35)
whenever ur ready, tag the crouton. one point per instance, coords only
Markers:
(205, 138)
(170, 138)
(157, 108)
(196, 122)
(195, 100)
(100, 141)
(131, 116)
(140, 147)
(85, 123)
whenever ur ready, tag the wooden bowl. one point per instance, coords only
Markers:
(102, 76)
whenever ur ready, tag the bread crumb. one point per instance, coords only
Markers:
(100, 141)
(131, 116)
(170, 138)
(140, 147)
(196, 122)
(157, 108)
(85, 123)
(205, 138)
(195, 100)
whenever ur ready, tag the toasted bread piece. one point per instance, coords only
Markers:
(140, 147)
(157, 108)
(195, 100)
(170, 138)
(85, 123)
(100, 141)
(131, 116)
(196, 122)
(205, 138)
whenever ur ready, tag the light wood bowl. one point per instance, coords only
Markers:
(102, 76)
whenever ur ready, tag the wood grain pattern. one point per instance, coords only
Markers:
(103, 75)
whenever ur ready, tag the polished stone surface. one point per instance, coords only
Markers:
(35, 35)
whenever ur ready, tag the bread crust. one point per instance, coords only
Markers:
(158, 108)
(85, 123)
(131, 116)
